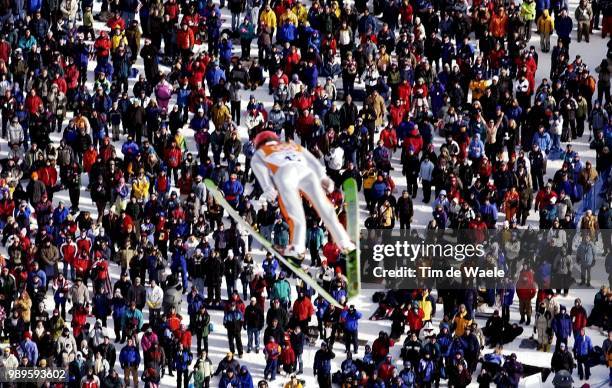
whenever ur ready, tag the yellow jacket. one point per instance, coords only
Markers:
(301, 12)
(116, 41)
(461, 322)
(426, 306)
(220, 114)
(289, 15)
(140, 188)
(268, 18)
(546, 24)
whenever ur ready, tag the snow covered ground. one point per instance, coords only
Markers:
(592, 54)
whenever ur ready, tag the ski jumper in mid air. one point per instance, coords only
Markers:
(288, 170)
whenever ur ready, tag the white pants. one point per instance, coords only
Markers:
(291, 180)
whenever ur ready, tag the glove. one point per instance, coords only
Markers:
(269, 195)
(327, 184)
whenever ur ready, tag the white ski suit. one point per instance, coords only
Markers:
(289, 171)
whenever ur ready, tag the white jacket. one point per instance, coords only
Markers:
(155, 297)
(335, 159)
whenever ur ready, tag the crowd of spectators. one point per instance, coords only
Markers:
(442, 92)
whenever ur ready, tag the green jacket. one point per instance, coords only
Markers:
(281, 290)
(528, 11)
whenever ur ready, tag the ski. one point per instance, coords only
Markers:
(353, 266)
(297, 270)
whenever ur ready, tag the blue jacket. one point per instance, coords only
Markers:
(182, 96)
(233, 191)
(378, 189)
(130, 149)
(34, 5)
(365, 23)
(270, 268)
(476, 147)
(194, 303)
(507, 295)
(225, 50)
(311, 74)
(543, 141)
(583, 345)
(182, 360)
(226, 382)
(30, 350)
(287, 33)
(101, 305)
(321, 305)
(426, 370)
(339, 294)
(129, 356)
(562, 325)
(351, 320)
(214, 75)
(322, 362)
(245, 379)
(542, 4)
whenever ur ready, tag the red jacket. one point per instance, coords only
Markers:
(47, 175)
(303, 102)
(414, 140)
(398, 113)
(174, 155)
(72, 76)
(174, 322)
(385, 371)
(287, 356)
(303, 309)
(32, 103)
(68, 252)
(331, 251)
(5, 51)
(83, 243)
(185, 338)
(415, 319)
(273, 350)
(6, 209)
(579, 317)
(404, 91)
(274, 80)
(185, 39)
(389, 138)
(380, 348)
(82, 264)
(102, 46)
(61, 84)
(525, 286)
(304, 125)
(113, 22)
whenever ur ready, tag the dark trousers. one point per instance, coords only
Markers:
(234, 338)
(404, 222)
(324, 380)
(235, 106)
(202, 340)
(426, 191)
(182, 377)
(412, 186)
(75, 194)
(214, 292)
(584, 370)
(350, 338)
(122, 82)
(245, 45)
(559, 340)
